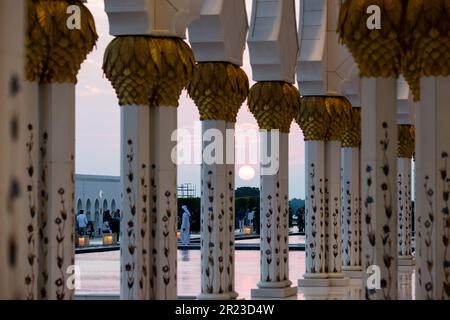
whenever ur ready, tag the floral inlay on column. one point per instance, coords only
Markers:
(32, 241)
(130, 224)
(386, 237)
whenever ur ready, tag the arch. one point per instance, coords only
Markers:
(97, 222)
(79, 206)
(113, 205)
(105, 205)
(88, 209)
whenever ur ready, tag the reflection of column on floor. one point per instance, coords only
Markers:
(12, 153)
(355, 289)
(50, 128)
(219, 89)
(339, 110)
(314, 121)
(351, 199)
(379, 136)
(405, 284)
(406, 150)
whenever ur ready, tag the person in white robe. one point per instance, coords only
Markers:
(185, 226)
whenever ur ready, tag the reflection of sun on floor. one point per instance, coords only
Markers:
(100, 274)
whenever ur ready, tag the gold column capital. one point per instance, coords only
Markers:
(378, 53)
(274, 104)
(313, 118)
(427, 35)
(339, 110)
(352, 133)
(54, 52)
(148, 70)
(406, 141)
(218, 89)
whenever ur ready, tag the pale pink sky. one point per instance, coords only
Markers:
(98, 121)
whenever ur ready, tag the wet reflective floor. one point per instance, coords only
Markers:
(100, 274)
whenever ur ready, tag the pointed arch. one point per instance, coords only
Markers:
(79, 206)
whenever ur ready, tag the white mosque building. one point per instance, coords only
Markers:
(95, 194)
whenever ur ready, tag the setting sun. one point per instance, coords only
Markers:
(246, 173)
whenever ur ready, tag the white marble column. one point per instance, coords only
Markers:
(315, 241)
(333, 214)
(351, 213)
(219, 87)
(12, 235)
(163, 175)
(433, 189)
(161, 91)
(274, 248)
(379, 184)
(274, 102)
(56, 190)
(215, 214)
(405, 257)
(136, 265)
(30, 144)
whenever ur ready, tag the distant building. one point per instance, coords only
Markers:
(96, 194)
(187, 190)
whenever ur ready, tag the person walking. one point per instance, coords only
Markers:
(185, 226)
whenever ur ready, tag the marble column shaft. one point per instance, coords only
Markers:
(56, 191)
(351, 212)
(274, 214)
(137, 281)
(12, 108)
(315, 230)
(333, 209)
(404, 210)
(433, 190)
(164, 203)
(379, 184)
(217, 213)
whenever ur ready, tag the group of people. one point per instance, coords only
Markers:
(111, 223)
